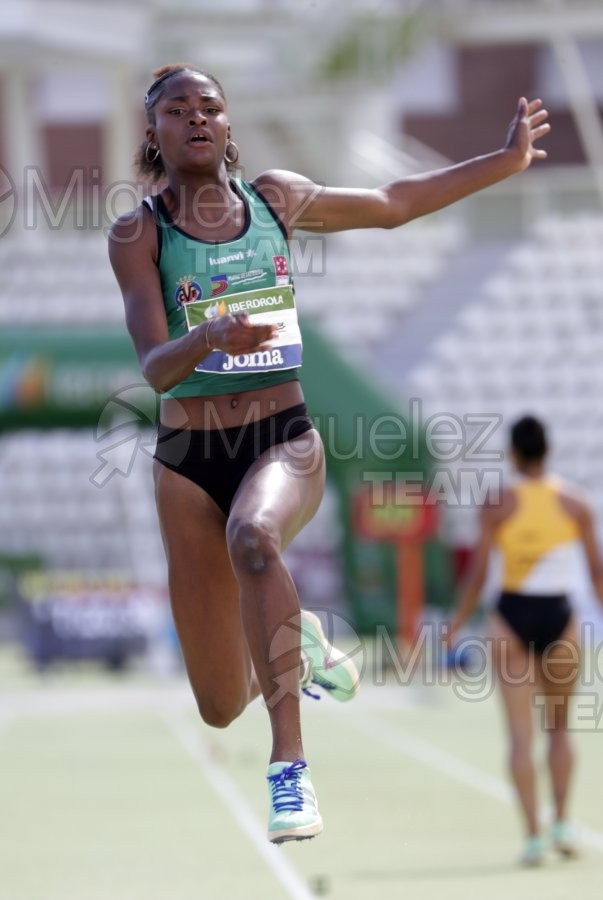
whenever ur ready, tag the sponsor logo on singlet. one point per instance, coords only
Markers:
(219, 284)
(281, 269)
(239, 256)
(187, 291)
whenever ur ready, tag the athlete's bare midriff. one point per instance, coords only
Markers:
(229, 410)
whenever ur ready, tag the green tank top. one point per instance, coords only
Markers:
(256, 265)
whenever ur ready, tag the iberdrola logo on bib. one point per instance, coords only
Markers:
(216, 309)
(264, 306)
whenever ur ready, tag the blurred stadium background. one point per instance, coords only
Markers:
(477, 314)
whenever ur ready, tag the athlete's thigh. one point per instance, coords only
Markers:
(283, 488)
(203, 590)
(516, 674)
(559, 669)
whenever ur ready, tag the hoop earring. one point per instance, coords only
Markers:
(151, 159)
(234, 158)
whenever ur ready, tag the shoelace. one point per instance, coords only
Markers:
(310, 693)
(286, 791)
(322, 682)
(307, 678)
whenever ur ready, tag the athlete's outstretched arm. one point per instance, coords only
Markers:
(303, 204)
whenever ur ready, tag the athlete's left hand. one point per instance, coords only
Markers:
(527, 126)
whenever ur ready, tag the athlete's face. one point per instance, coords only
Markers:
(191, 124)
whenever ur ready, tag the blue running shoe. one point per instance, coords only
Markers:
(294, 812)
(324, 665)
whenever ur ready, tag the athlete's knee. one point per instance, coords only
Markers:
(520, 750)
(558, 735)
(218, 713)
(520, 760)
(556, 718)
(252, 545)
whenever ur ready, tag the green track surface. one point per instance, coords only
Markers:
(111, 789)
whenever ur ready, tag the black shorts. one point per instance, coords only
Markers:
(218, 458)
(536, 619)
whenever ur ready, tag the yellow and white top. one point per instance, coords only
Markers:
(536, 541)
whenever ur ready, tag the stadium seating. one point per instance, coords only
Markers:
(53, 508)
(57, 277)
(528, 338)
(529, 341)
(372, 279)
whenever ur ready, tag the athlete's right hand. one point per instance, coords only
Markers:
(236, 334)
(449, 632)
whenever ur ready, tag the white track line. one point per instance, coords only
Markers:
(112, 702)
(428, 754)
(190, 740)
(422, 751)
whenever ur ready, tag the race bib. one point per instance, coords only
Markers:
(272, 306)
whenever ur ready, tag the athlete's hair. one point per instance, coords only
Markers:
(154, 169)
(529, 440)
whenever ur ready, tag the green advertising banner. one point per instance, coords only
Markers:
(60, 377)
